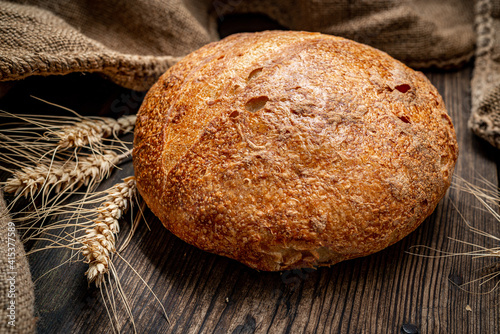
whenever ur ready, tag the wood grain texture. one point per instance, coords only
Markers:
(205, 293)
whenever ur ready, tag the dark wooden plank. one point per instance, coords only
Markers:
(205, 293)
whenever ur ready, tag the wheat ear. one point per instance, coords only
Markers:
(99, 242)
(90, 132)
(62, 133)
(59, 176)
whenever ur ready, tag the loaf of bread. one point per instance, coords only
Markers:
(291, 149)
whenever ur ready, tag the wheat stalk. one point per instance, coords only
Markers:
(488, 196)
(60, 133)
(99, 242)
(90, 132)
(62, 176)
(59, 155)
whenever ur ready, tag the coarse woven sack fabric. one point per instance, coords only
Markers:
(134, 42)
(17, 297)
(485, 117)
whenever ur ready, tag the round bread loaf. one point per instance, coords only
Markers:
(291, 149)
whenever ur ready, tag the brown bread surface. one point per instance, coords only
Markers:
(291, 149)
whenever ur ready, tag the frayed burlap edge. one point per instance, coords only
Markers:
(448, 64)
(146, 70)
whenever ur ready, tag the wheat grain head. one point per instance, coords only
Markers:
(90, 132)
(99, 242)
(62, 176)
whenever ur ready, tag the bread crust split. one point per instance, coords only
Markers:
(292, 149)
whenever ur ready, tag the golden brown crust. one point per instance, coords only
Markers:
(292, 149)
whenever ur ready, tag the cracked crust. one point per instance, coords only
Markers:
(290, 149)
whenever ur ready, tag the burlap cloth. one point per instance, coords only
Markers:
(17, 295)
(485, 117)
(133, 42)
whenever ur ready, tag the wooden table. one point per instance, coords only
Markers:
(389, 292)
